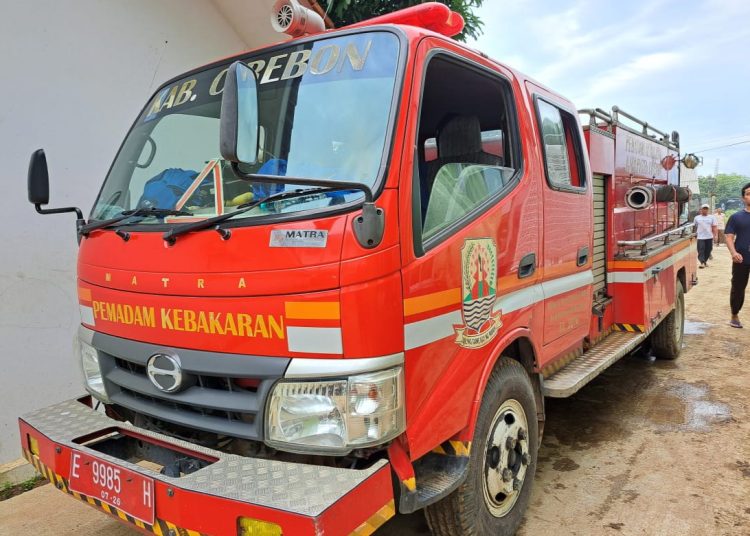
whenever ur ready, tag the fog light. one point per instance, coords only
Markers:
(92, 372)
(255, 527)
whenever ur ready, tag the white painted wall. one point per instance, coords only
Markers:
(75, 75)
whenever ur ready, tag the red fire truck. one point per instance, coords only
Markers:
(334, 279)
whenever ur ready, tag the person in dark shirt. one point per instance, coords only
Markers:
(737, 234)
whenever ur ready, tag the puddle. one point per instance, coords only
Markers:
(705, 413)
(687, 407)
(696, 328)
(634, 394)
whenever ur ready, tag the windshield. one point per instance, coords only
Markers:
(324, 110)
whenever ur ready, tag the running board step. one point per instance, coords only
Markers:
(568, 380)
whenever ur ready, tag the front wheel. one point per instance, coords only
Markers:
(666, 340)
(497, 489)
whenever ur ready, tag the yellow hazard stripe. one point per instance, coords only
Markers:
(160, 527)
(312, 310)
(376, 520)
(462, 448)
(410, 483)
(630, 328)
(454, 448)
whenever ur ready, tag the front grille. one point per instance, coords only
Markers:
(225, 393)
(219, 383)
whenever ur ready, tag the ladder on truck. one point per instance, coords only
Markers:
(571, 378)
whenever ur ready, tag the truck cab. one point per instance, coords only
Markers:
(356, 305)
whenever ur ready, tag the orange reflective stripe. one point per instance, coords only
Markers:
(312, 310)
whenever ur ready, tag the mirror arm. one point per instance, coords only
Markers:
(80, 222)
(41, 210)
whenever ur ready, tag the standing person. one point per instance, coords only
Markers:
(706, 230)
(719, 215)
(737, 234)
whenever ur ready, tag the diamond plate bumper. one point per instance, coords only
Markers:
(301, 499)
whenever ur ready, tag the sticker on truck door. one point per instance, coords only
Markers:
(478, 294)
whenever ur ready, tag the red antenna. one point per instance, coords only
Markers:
(430, 16)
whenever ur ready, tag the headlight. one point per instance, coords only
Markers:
(336, 416)
(92, 373)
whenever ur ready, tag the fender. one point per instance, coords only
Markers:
(446, 467)
(507, 340)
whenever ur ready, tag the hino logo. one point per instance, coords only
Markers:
(165, 372)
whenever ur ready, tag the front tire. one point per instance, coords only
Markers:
(494, 497)
(666, 340)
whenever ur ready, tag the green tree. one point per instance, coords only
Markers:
(344, 12)
(726, 186)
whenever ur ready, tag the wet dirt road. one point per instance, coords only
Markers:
(648, 448)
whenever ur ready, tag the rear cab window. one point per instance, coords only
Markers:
(562, 147)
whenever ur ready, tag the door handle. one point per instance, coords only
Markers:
(527, 266)
(583, 256)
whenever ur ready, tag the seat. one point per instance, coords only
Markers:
(459, 141)
(453, 186)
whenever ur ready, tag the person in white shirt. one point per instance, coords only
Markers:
(706, 229)
(719, 215)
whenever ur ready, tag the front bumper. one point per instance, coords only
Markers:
(301, 499)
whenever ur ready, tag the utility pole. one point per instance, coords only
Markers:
(712, 183)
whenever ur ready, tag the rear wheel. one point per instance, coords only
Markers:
(496, 492)
(666, 340)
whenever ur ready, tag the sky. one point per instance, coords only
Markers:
(679, 65)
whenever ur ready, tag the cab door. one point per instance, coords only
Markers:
(466, 225)
(567, 277)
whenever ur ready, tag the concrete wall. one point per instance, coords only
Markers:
(75, 74)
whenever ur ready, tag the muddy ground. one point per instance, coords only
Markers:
(648, 448)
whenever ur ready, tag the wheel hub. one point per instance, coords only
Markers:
(507, 458)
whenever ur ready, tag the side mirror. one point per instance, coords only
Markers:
(38, 178)
(39, 188)
(238, 141)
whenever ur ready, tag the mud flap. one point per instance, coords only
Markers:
(437, 474)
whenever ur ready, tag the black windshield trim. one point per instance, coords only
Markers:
(388, 145)
(255, 221)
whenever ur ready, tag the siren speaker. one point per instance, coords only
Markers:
(293, 19)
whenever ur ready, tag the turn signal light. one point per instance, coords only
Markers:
(255, 527)
(33, 444)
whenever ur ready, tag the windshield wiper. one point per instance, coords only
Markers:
(171, 236)
(136, 213)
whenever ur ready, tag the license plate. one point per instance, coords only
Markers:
(126, 490)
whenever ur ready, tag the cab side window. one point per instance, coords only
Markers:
(466, 156)
(562, 147)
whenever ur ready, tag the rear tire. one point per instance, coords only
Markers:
(496, 492)
(666, 340)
